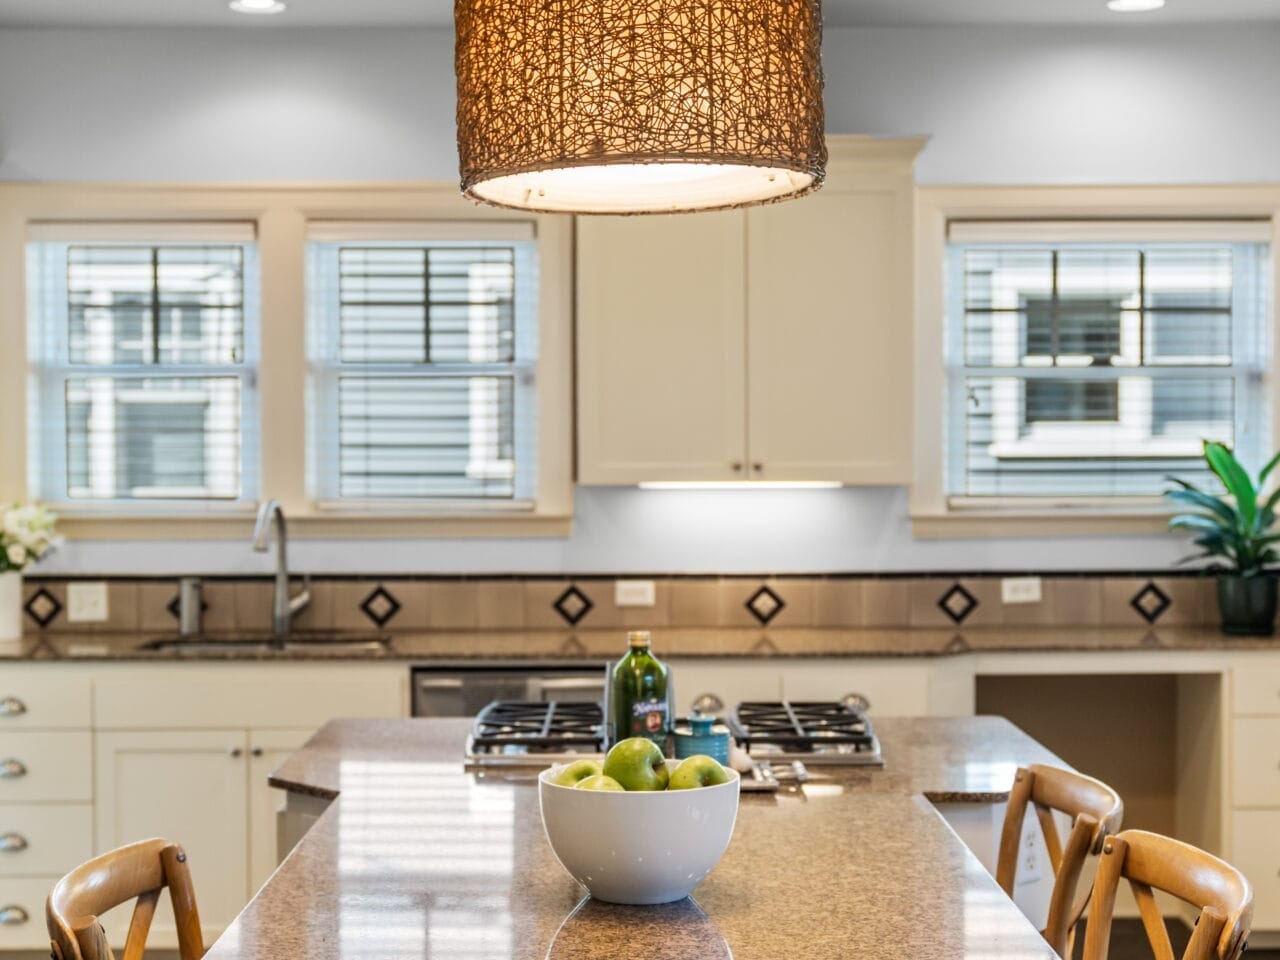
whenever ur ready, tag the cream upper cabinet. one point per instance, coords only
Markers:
(829, 324)
(773, 343)
(661, 341)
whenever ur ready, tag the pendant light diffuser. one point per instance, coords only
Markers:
(638, 106)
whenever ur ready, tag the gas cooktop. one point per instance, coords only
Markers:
(521, 733)
(817, 732)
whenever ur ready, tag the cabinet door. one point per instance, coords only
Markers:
(829, 343)
(660, 348)
(190, 787)
(267, 750)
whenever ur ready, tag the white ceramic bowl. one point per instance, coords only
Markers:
(639, 847)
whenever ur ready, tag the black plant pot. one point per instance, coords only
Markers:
(1247, 605)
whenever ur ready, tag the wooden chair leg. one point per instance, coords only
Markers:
(1204, 938)
(1097, 933)
(177, 875)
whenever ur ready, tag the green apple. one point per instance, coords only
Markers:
(638, 764)
(576, 772)
(598, 782)
(697, 771)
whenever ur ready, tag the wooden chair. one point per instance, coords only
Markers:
(1152, 862)
(1095, 810)
(140, 870)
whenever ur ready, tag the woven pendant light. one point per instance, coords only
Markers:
(638, 106)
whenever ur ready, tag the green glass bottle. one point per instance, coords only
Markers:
(639, 694)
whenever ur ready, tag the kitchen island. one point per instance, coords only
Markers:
(415, 857)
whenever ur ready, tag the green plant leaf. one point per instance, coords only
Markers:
(1197, 498)
(1234, 477)
(1266, 471)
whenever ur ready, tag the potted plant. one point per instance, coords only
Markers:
(26, 534)
(1234, 534)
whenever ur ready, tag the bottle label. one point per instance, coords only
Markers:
(648, 717)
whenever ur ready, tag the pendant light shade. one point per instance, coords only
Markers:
(638, 106)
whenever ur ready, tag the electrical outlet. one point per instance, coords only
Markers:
(1030, 860)
(86, 602)
(634, 593)
(1020, 590)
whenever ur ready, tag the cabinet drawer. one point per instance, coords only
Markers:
(1256, 691)
(1256, 762)
(44, 838)
(46, 766)
(46, 698)
(22, 912)
(1256, 853)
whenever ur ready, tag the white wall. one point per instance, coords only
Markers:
(1132, 103)
(1028, 105)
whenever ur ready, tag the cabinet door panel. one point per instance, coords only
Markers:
(1257, 854)
(829, 344)
(1256, 764)
(267, 750)
(190, 787)
(660, 348)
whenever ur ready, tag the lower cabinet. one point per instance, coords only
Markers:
(188, 786)
(267, 750)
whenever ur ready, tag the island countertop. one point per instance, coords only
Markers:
(416, 857)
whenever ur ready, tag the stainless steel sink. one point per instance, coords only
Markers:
(298, 643)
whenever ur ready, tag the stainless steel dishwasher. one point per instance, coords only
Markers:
(460, 690)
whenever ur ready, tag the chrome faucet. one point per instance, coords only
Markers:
(283, 607)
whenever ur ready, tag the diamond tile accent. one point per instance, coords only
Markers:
(380, 606)
(173, 608)
(573, 605)
(43, 607)
(1150, 602)
(764, 605)
(957, 603)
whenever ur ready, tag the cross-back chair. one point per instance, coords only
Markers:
(1151, 862)
(138, 871)
(1095, 811)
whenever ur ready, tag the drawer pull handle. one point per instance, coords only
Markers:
(235, 753)
(11, 769)
(12, 915)
(12, 707)
(256, 751)
(13, 843)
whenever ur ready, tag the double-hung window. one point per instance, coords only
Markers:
(422, 347)
(1091, 360)
(142, 349)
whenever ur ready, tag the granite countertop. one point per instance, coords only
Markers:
(668, 642)
(416, 857)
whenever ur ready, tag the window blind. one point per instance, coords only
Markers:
(422, 368)
(143, 357)
(1096, 368)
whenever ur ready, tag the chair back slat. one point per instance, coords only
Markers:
(140, 924)
(1095, 811)
(139, 871)
(1152, 921)
(1153, 863)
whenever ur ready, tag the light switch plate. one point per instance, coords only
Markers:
(635, 593)
(1020, 590)
(87, 602)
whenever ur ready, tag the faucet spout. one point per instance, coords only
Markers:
(283, 606)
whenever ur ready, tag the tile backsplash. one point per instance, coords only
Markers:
(407, 604)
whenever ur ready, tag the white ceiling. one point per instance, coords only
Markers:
(330, 13)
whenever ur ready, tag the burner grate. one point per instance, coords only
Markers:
(532, 723)
(804, 725)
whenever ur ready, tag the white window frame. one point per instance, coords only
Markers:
(281, 213)
(50, 368)
(1065, 213)
(325, 368)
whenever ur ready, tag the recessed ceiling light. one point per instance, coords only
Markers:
(257, 6)
(1134, 6)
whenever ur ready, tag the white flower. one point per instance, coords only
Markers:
(17, 555)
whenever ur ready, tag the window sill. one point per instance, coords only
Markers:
(1041, 519)
(313, 524)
